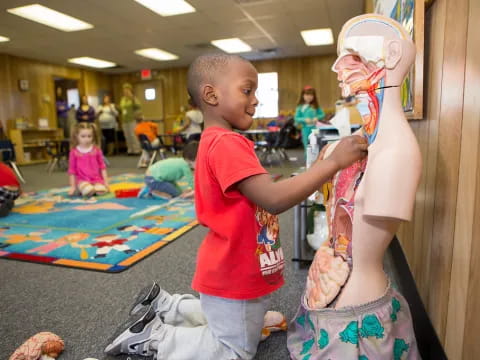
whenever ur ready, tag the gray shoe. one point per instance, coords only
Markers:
(135, 335)
(150, 295)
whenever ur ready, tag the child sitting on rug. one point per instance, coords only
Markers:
(161, 178)
(150, 130)
(87, 170)
(240, 262)
(9, 189)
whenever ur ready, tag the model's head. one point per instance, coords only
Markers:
(370, 48)
(224, 85)
(106, 99)
(84, 134)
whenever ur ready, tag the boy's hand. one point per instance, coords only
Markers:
(71, 191)
(349, 150)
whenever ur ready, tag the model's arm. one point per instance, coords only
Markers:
(276, 197)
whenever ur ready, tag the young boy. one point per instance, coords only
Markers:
(161, 178)
(240, 261)
(150, 130)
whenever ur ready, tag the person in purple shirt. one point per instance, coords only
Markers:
(85, 112)
(87, 171)
(62, 111)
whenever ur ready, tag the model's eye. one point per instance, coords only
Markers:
(247, 91)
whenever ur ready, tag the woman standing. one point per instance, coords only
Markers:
(85, 113)
(107, 118)
(129, 105)
(308, 112)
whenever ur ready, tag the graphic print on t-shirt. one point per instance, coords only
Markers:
(269, 250)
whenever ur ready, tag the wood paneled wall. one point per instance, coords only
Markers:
(440, 243)
(39, 100)
(293, 75)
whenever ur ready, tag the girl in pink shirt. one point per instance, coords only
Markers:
(87, 170)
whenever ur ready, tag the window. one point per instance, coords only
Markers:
(267, 94)
(73, 98)
(150, 94)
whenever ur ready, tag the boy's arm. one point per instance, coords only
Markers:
(280, 196)
(276, 197)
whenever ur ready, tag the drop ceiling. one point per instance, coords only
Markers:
(271, 27)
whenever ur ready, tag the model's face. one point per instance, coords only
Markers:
(85, 137)
(354, 75)
(127, 92)
(106, 99)
(308, 98)
(236, 94)
(84, 100)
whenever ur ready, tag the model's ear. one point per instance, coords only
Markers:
(209, 95)
(393, 50)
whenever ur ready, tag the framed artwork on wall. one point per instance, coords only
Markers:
(411, 14)
(23, 85)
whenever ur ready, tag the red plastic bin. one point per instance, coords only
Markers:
(126, 193)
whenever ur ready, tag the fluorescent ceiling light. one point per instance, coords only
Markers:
(3, 39)
(167, 7)
(317, 37)
(156, 54)
(49, 17)
(233, 45)
(92, 62)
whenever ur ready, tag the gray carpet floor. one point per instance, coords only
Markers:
(85, 307)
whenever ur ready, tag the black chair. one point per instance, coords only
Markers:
(152, 150)
(58, 152)
(7, 155)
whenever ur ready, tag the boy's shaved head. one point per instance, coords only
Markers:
(205, 69)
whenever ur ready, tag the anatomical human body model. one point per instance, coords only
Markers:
(356, 314)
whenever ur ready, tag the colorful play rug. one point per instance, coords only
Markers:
(101, 233)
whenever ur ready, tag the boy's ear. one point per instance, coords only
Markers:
(209, 95)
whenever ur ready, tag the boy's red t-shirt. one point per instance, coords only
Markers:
(241, 256)
(7, 176)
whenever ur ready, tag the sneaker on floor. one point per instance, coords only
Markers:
(135, 335)
(151, 295)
